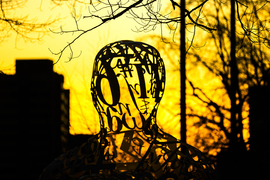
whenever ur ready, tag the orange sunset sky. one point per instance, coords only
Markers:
(77, 73)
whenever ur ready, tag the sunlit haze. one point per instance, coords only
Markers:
(78, 71)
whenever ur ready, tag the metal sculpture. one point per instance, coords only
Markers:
(127, 85)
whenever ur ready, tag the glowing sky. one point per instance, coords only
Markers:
(78, 71)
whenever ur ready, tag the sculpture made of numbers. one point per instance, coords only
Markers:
(127, 85)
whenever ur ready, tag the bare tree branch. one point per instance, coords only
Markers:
(152, 16)
(24, 26)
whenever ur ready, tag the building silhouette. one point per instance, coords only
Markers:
(259, 123)
(34, 119)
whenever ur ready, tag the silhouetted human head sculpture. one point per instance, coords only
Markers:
(127, 85)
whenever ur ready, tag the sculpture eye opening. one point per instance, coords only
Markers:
(106, 90)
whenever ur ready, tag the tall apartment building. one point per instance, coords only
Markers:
(34, 119)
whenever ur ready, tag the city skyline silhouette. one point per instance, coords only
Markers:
(34, 118)
(29, 97)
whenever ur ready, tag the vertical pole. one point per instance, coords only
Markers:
(183, 72)
(234, 78)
